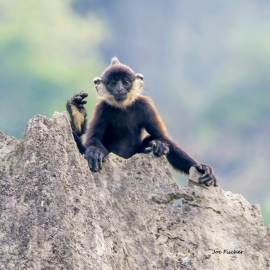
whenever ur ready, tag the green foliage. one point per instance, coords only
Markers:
(47, 54)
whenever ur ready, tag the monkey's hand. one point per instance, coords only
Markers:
(208, 178)
(77, 112)
(95, 157)
(158, 148)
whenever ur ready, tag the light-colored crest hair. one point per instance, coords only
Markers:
(132, 95)
(115, 61)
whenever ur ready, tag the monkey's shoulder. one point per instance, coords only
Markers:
(142, 104)
(143, 100)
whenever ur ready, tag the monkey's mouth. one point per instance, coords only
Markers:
(120, 97)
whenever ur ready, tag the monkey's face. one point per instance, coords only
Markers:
(120, 91)
(119, 86)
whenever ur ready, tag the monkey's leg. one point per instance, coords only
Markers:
(77, 112)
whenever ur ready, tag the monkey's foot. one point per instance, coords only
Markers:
(95, 157)
(208, 178)
(157, 147)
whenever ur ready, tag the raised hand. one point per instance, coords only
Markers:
(77, 112)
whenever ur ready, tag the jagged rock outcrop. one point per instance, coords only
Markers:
(56, 214)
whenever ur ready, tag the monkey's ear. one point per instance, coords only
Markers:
(97, 80)
(139, 76)
(115, 61)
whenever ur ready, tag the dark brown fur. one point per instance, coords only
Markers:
(121, 132)
(119, 128)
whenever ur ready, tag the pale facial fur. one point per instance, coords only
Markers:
(132, 95)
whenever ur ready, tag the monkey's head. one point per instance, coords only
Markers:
(119, 85)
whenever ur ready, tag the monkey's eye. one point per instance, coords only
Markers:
(112, 83)
(125, 82)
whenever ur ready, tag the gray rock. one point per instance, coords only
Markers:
(56, 214)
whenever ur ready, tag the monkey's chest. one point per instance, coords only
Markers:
(123, 131)
(123, 137)
(122, 123)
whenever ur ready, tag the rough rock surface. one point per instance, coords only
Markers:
(56, 214)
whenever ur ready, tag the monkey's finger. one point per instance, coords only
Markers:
(209, 183)
(99, 162)
(90, 163)
(95, 165)
(162, 148)
(152, 144)
(213, 182)
(157, 148)
(166, 151)
(206, 175)
(156, 151)
(204, 168)
(205, 180)
(98, 158)
(77, 99)
(83, 95)
(147, 150)
(207, 172)
(81, 104)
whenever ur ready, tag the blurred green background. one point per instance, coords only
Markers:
(206, 65)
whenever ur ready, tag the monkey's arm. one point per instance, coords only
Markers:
(177, 157)
(77, 113)
(96, 152)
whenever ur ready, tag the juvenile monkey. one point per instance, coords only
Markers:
(119, 120)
